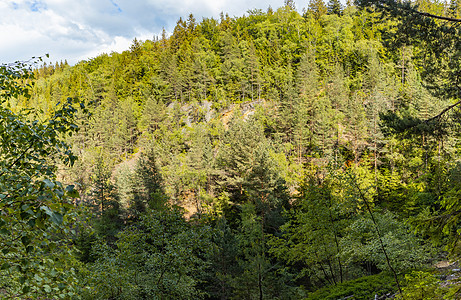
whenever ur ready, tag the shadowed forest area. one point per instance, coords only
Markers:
(274, 155)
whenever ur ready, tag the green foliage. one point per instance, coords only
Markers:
(311, 238)
(334, 7)
(296, 139)
(260, 278)
(14, 79)
(363, 288)
(159, 257)
(317, 8)
(36, 210)
(422, 285)
(104, 201)
(360, 244)
(238, 155)
(147, 185)
(223, 265)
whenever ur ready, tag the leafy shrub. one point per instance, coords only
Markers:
(363, 288)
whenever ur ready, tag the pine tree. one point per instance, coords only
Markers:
(179, 34)
(204, 61)
(454, 9)
(266, 189)
(105, 201)
(237, 155)
(252, 69)
(334, 7)
(201, 161)
(337, 92)
(287, 110)
(311, 237)
(379, 94)
(223, 262)
(290, 4)
(153, 118)
(259, 279)
(317, 8)
(148, 184)
(232, 68)
(307, 82)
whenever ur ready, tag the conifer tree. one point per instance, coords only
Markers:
(201, 163)
(252, 69)
(312, 236)
(284, 86)
(377, 103)
(148, 189)
(204, 62)
(104, 200)
(223, 262)
(317, 8)
(290, 4)
(454, 8)
(337, 92)
(237, 155)
(153, 118)
(259, 279)
(334, 7)
(232, 68)
(307, 81)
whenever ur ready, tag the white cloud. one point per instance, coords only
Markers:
(118, 44)
(75, 30)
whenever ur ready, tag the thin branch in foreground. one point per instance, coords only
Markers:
(383, 248)
(425, 14)
(443, 112)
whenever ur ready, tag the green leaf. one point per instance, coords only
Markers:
(5, 266)
(26, 289)
(25, 240)
(57, 218)
(46, 210)
(49, 183)
(31, 222)
(72, 192)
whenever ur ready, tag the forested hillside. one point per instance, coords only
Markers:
(274, 155)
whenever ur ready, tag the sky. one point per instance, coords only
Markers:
(76, 30)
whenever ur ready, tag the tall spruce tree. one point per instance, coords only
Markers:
(105, 201)
(334, 7)
(308, 86)
(148, 184)
(317, 8)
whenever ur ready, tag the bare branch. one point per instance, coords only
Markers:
(443, 112)
(437, 17)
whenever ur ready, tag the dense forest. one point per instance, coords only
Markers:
(274, 155)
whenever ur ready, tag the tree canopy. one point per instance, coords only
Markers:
(274, 155)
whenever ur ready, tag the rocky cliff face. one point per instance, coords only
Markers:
(205, 112)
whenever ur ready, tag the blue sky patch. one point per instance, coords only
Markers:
(76, 30)
(118, 9)
(36, 5)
